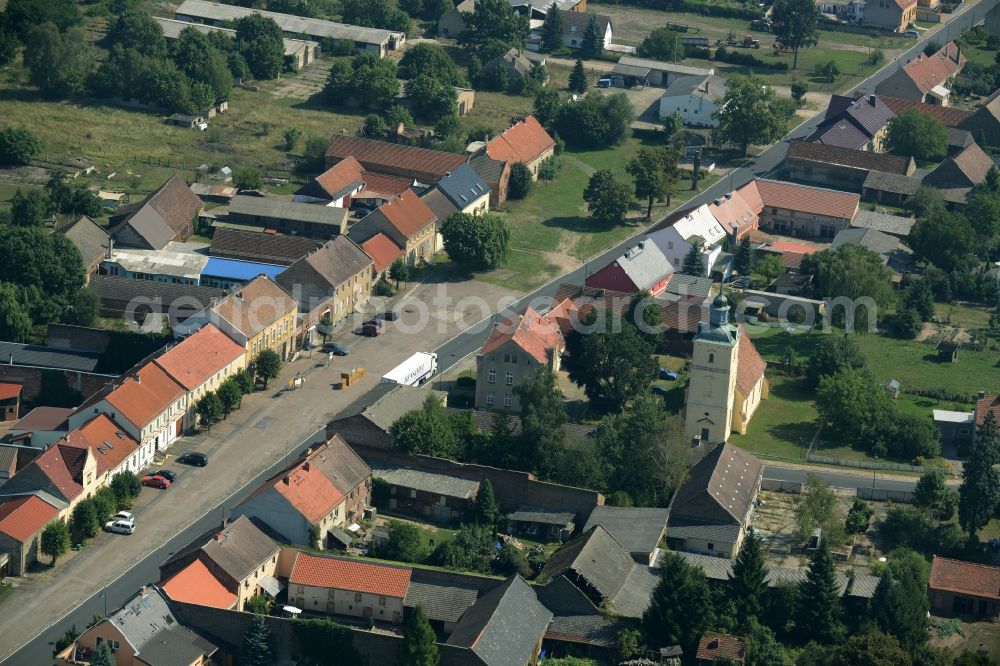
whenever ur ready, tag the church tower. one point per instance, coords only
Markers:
(712, 378)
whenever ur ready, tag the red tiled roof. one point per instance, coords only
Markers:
(785, 246)
(108, 443)
(381, 156)
(9, 391)
(949, 116)
(23, 517)
(196, 359)
(858, 159)
(974, 163)
(981, 580)
(750, 365)
(721, 646)
(352, 575)
(144, 396)
(195, 584)
(308, 490)
(985, 405)
(532, 332)
(523, 142)
(813, 200)
(734, 212)
(256, 305)
(792, 259)
(61, 465)
(408, 213)
(929, 71)
(388, 186)
(340, 175)
(382, 251)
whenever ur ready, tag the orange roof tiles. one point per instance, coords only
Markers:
(9, 391)
(254, 307)
(408, 213)
(974, 163)
(949, 116)
(785, 246)
(980, 580)
(61, 465)
(352, 575)
(25, 516)
(535, 334)
(197, 358)
(929, 71)
(383, 184)
(524, 142)
(394, 157)
(145, 395)
(813, 200)
(308, 490)
(195, 584)
(986, 405)
(108, 443)
(712, 647)
(382, 251)
(340, 175)
(734, 212)
(750, 365)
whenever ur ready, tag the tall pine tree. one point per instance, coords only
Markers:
(486, 505)
(257, 647)
(543, 416)
(900, 604)
(747, 580)
(743, 260)
(680, 609)
(817, 600)
(419, 648)
(578, 78)
(980, 491)
(552, 30)
(694, 264)
(592, 45)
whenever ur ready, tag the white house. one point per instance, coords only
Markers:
(575, 26)
(694, 98)
(698, 226)
(335, 186)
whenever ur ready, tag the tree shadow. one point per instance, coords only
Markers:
(796, 390)
(576, 224)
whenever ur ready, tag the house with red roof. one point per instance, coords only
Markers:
(516, 349)
(925, 78)
(964, 588)
(325, 489)
(800, 210)
(22, 520)
(200, 363)
(195, 584)
(10, 401)
(382, 251)
(149, 405)
(525, 141)
(339, 586)
(715, 648)
(408, 222)
(335, 186)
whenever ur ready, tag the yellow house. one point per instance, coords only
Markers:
(259, 316)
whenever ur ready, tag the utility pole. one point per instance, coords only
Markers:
(696, 163)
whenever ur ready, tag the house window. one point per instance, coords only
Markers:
(506, 359)
(381, 601)
(357, 597)
(670, 245)
(510, 378)
(711, 357)
(513, 358)
(711, 546)
(492, 376)
(490, 398)
(298, 589)
(507, 400)
(963, 432)
(413, 493)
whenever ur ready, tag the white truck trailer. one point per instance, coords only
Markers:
(413, 371)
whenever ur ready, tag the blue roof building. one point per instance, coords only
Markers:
(464, 188)
(228, 273)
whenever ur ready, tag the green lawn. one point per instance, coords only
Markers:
(785, 422)
(962, 316)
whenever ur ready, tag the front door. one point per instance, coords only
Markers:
(367, 612)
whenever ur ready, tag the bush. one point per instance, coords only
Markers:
(520, 181)
(18, 146)
(858, 517)
(549, 169)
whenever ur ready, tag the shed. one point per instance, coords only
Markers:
(184, 120)
(892, 388)
(947, 352)
(541, 523)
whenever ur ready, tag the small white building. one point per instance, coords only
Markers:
(694, 98)
(575, 26)
(338, 586)
(698, 226)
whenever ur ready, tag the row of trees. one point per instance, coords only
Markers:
(229, 396)
(91, 514)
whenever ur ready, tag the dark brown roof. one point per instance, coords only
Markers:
(858, 159)
(949, 116)
(393, 158)
(174, 202)
(721, 646)
(720, 487)
(268, 248)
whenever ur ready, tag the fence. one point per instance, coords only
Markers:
(869, 464)
(778, 486)
(882, 495)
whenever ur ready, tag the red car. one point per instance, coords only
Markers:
(155, 481)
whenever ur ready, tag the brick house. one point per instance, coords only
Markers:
(526, 142)
(964, 588)
(924, 78)
(10, 401)
(336, 586)
(798, 210)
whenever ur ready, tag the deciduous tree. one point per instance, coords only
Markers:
(597, 121)
(662, 44)
(248, 178)
(832, 354)
(230, 395)
(751, 113)
(795, 23)
(476, 242)
(59, 63)
(137, 30)
(933, 493)
(15, 320)
(267, 366)
(857, 277)
(607, 197)
(654, 170)
(209, 408)
(432, 60)
(18, 146)
(430, 97)
(86, 520)
(614, 367)
(853, 403)
(945, 239)
(917, 134)
(426, 431)
(543, 437)
(493, 21)
(261, 43)
(55, 540)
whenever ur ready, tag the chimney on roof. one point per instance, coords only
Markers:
(142, 591)
(285, 479)
(982, 394)
(218, 536)
(306, 466)
(871, 99)
(137, 378)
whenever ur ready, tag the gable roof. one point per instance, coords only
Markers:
(325, 269)
(637, 529)
(307, 490)
(949, 116)
(339, 462)
(750, 364)
(407, 214)
(441, 601)
(261, 247)
(858, 159)
(142, 397)
(39, 356)
(194, 360)
(430, 482)
(969, 167)
(524, 141)
(440, 205)
(380, 155)
(255, 306)
(195, 584)
(720, 646)
(698, 222)
(720, 487)
(240, 548)
(515, 62)
(926, 72)
(597, 557)
(505, 625)
(986, 405)
(23, 517)
(268, 208)
(341, 179)
(152, 630)
(382, 251)
(536, 335)
(383, 185)
(462, 186)
(576, 23)
(9, 391)
(353, 575)
(842, 133)
(981, 580)
(806, 199)
(734, 212)
(108, 444)
(89, 238)
(173, 205)
(43, 418)
(57, 470)
(644, 265)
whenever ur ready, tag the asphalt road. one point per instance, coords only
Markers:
(837, 480)
(39, 649)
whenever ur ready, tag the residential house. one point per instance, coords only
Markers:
(710, 512)
(41, 427)
(407, 222)
(656, 72)
(335, 186)
(694, 99)
(373, 592)
(253, 246)
(93, 242)
(259, 316)
(949, 116)
(143, 632)
(327, 487)
(799, 210)
(418, 164)
(860, 123)
(368, 421)
(134, 299)
(383, 253)
(495, 173)
(440, 497)
(984, 123)
(965, 589)
(538, 9)
(516, 349)
(894, 254)
(720, 648)
(956, 428)
(842, 168)
(525, 141)
(10, 401)
(452, 23)
(515, 63)
(642, 268)
(168, 214)
(541, 524)
(200, 363)
(505, 626)
(925, 78)
(149, 404)
(22, 520)
(195, 584)
(461, 191)
(958, 174)
(289, 217)
(239, 557)
(698, 228)
(639, 530)
(896, 15)
(366, 40)
(331, 280)
(575, 24)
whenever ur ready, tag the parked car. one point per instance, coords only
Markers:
(194, 458)
(373, 322)
(388, 315)
(123, 517)
(370, 331)
(668, 374)
(335, 348)
(119, 527)
(915, 34)
(166, 474)
(154, 481)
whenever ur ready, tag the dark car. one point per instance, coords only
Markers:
(370, 331)
(668, 374)
(660, 390)
(194, 458)
(389, 315)
(335, 348)
(373, 322)
(166, 474)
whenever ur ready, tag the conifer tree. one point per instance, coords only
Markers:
(487, 512)
(747, 580)
(419, 648)
(694, 264)
(592, 45)
(552, 30)
(257, 647)
(578, 78)
(818, 600)
(980, 491)
(743, 261)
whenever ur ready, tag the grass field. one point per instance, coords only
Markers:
(785, 422)
(962, 316)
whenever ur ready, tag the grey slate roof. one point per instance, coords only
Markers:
(532, 514)
(148, 624)
(596, 557)
(891, 182)
(177, 646)
(896, 225)
(89, 238)
(37, 356)
(446, 603)
(441, 484)
(720, 487)
(399, 400)
(959, 138)
(645, 264)
(240, 548)
(673, 68)
(633, 599)
(505, 625)
(339, 463)
(689, 285)
(637, 529)
(279, 209)
(873, 240)
(463, 186)
(150, 226)
(685, 85)
(680, 528)
(575, 24)
(595, 629)
(488, 168)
